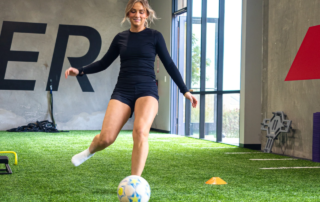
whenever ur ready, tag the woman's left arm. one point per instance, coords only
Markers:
(168, 63)
(171, 68)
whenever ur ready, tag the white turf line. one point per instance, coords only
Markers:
(272, 159)
(215, 147)
(288, 168)
(244, 153)
(163, 135)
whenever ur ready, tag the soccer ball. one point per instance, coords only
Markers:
(134, 189)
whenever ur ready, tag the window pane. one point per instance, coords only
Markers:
(232, 45)
(182, 4)
(230, 119)
(196, 9)
(213, 8)
(195, 118)
(210, 117)
(196, 45)
(212, 45)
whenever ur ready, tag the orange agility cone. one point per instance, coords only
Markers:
(216, 181)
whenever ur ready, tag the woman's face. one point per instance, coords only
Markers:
(138, 15)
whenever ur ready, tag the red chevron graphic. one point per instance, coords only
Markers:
(306, 64)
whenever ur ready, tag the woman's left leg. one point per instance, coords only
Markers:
(145, 110)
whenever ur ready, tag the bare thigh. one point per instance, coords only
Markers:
(145, 109)
(116, 116)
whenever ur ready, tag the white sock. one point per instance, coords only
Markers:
(81, 157)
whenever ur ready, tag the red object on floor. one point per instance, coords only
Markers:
(306, 64)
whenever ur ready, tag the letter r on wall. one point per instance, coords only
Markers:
(60, 50)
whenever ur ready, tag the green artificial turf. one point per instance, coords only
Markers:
(177, 169)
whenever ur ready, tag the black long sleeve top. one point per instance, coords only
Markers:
(137, 52)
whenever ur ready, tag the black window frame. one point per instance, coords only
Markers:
(219, 92)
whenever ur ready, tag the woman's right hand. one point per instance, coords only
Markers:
(71, 71)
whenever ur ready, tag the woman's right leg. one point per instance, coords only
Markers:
(116, 116)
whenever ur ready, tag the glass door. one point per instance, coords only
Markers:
(180, 40)
(206, 50)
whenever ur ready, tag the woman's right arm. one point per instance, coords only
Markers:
(99, 65)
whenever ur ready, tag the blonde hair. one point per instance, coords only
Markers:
(151, 14)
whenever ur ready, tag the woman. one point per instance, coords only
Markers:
(136, 89)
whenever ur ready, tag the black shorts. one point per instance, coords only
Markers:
(128, 93)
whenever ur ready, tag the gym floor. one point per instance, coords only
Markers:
(177, 169)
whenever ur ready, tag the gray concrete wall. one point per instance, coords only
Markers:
(73, 109)
(251, 64)
(286, 24)
(163, 10)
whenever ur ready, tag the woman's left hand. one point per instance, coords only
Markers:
(192, 99)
